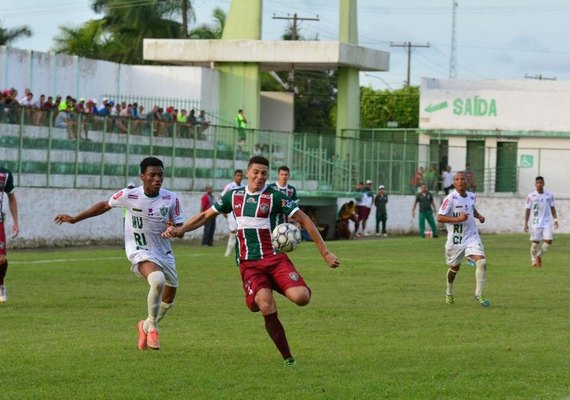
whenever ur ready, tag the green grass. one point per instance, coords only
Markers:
(376, 328)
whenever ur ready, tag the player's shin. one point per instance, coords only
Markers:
(451, 274)
(164, 307)
(480, 276)
(156, 282)
(277, 334)
(543, 249)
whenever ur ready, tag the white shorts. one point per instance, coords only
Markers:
(166, 264)
(538, 234)
(454, 255)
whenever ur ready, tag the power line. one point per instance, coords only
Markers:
(294, 36)
(540, 77)
(409, 46)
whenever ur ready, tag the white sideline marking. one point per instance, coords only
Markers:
(59, 260)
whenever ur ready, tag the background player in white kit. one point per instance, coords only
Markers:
(540, 204)
(235, 184)
(150, 210)
(458, 212)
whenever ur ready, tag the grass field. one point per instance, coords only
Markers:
(377, 328)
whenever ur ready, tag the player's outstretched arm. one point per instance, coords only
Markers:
(307, 224)
(190, 224)
(96, 209)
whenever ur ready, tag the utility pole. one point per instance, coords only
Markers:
(453, 56)
(409, 45)
(294, 36)
(540, 77)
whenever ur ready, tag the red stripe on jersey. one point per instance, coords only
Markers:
(238, 203)
(177, 207)
(240, 236)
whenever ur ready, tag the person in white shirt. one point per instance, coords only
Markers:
(150, 210)
(235, 184)
(458, 212)
(540, 204)
(447, 180)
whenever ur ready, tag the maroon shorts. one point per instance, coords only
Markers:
(363, 213)
(2, 239)
(276, 273)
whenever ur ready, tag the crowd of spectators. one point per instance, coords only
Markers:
(81, 115)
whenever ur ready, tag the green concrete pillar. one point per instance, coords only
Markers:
(240, 82)
(348, 98)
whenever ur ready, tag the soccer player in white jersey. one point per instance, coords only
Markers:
(458, 212)
(540, 204)
(150, 210)
(263, 269)
(235, 184)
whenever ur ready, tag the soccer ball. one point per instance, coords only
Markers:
(286, 237)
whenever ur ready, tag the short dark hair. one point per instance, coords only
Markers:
(238, 171)
(283, 168)
(258, 160)
(150, 162)
(539, 178)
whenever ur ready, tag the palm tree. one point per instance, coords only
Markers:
(88, 40)
(211, 31)
(8, 36)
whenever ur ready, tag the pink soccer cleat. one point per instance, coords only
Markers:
(141, 344)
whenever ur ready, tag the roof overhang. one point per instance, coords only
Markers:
(270, 55)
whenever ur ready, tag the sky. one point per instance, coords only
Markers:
(495, 39)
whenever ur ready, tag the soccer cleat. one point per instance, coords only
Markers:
(385, 235)
(483, 301)
(3, 295)
(141, 344)
(289, 362)
(538, 262)
(449, 299)
(152, 340)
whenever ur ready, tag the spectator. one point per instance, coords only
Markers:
(417, 179)
(447, 180)
(241, 125)
(470, 178)
(208, 200)
(427, 208)
(364, 205)
(347, 213)
(380, 201)
(201, 122)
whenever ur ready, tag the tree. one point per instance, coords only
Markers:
(8, 36)
(119, 34)
(377, 107)
(211, 31)
(88, 40)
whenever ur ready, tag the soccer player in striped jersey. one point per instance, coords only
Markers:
(6, 186)
(458, 212)
(540, 204)
(263, 269)
(150, 209)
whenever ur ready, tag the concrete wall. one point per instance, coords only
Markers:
(38, 207)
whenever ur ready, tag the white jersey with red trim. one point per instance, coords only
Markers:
(539, 205)
(146, 218)
(460, 234)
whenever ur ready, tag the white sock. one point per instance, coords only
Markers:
(533, 250)
(543, 249)
(480, 276)
(156, 281)
(231, 244)
(164, 307)
(449, 283)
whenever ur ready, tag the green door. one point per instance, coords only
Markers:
(476, 159)
(506, 178)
